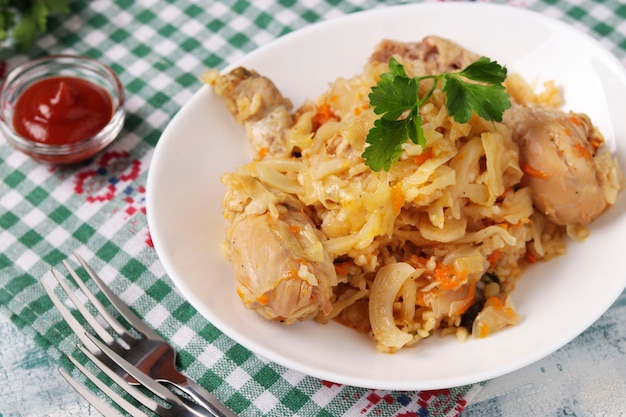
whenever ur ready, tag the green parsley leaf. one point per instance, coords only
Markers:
(23, 20)
(394, 96)
(386, 138)
(485, 70)
(25, 31)
(7, 19)
(488, 101)
(397, 94)
(463, 98)
(396, 68)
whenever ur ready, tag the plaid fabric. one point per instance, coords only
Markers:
(158, 48)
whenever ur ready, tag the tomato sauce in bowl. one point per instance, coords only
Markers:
(61, 109)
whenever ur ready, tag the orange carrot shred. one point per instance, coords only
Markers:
(468, 299)
(263, 299)
(263, 152)
(341, 269)
(483, 330)
(397, 199)
(595, 143)
(494, 302)
(323, 115)
(493, 257)
(448, 277)
(527, 169)
(423, 157)
(583, 151)
(575, 120)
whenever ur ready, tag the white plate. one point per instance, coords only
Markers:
(556, 300)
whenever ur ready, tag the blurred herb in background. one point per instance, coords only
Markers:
(22, 20)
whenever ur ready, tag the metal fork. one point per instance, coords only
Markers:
(171, 406)
(149, 352)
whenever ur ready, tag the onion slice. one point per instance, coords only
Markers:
(388, 282)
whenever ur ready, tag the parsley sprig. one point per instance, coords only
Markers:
(397, 94)
(22, 20)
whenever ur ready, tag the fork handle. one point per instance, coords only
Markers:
(203, 397)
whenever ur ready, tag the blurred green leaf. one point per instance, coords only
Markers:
(23, 20)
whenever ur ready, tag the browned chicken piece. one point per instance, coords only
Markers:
(256, 103)
(281, 269)
(559, 157)
(438, 54)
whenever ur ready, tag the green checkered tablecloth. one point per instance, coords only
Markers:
(158, 48)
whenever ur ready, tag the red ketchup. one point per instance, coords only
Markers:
(62, 110)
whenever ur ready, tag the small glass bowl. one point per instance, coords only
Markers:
(24, 75)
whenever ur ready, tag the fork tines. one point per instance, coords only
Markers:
(98, 403)
(104, 351)
(91, 320)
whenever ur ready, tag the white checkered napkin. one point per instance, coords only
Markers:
(603, 20)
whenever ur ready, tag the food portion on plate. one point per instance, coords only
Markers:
(407, 200)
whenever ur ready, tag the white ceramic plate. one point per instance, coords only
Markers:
(556, 300)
